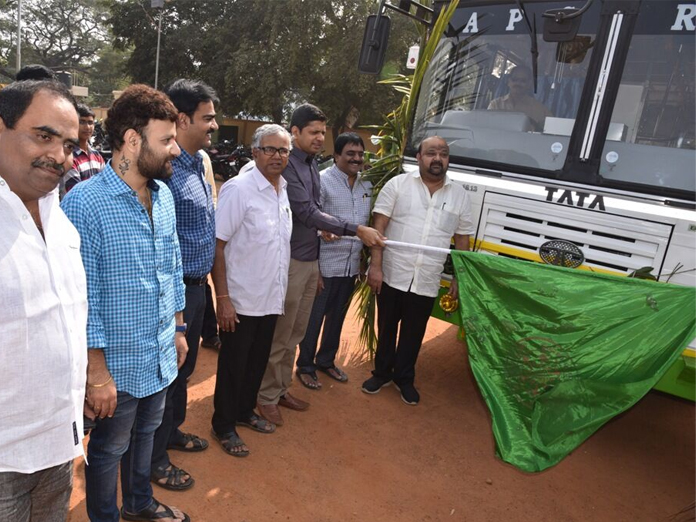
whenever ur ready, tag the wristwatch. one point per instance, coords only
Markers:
(181, 328)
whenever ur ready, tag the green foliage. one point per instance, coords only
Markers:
(263, 57)
(392, 135)
(61, 34)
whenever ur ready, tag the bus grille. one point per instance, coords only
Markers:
(611, 242)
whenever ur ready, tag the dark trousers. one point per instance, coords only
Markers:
(210, 326)
(332, 304)
(394, 361)
(42, 496)
(177, 394)
(241, 365)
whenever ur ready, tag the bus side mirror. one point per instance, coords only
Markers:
(374, 46)
(557, 28)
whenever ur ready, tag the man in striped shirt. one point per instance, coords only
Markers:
(86, 161)
(344, 195)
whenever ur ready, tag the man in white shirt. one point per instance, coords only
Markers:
(43, 351)
(250, 274)
(424, 208)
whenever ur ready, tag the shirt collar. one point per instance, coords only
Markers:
(188, 161)
(334, 170)
(116, 186)
(262, 183)
(302, 155)
(416, 174)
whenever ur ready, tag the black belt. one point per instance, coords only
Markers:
(195, 281)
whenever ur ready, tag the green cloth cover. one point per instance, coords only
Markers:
(557, 352)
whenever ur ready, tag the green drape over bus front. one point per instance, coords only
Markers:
(557, 352)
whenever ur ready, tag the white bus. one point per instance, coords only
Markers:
(589, 140)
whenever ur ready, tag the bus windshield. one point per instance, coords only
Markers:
(479, 94)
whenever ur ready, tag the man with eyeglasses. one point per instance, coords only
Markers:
(250, 274)
(308, 128)
(345, 195)
(86, 161)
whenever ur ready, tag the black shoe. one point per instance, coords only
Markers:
(409, 394)
(374, 384)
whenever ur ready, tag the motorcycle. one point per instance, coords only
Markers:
(100, 141)
(228, 159)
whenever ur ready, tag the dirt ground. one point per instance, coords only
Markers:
(358, 457)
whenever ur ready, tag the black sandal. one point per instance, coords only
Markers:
(149, 514)
(230, 441)
(342, 376)
(257, 423)
(197, 444)
(312, 383)
(175, 478)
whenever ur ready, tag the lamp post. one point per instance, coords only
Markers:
(19, 35)
(160, 5)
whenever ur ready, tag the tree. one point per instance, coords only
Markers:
(61, 34)
(262, 57)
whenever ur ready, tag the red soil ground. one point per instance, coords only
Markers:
(355, 457)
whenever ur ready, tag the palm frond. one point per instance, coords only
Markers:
(392, 143)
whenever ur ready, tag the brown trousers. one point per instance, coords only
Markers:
(290, 330)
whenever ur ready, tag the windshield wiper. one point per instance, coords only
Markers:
(531, 28)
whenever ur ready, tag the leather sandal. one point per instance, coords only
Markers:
(335, 373)
(257, 423)
(150, 514)
(229, 442)
(197, 443)
(309, 380)
(175, 478)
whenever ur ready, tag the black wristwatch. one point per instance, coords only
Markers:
(181, 328)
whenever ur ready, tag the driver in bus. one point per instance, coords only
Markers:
(521, 99)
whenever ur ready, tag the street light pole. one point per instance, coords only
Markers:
(19, 35)
(158, 4)
(159, 34)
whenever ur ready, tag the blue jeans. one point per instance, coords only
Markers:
(126, 438)
(332, 304)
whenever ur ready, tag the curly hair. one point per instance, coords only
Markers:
(134, 109)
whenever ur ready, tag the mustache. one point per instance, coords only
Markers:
(48, 165)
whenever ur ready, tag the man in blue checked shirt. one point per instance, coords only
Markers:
(345, 196)
(135, 293)
(195, 227)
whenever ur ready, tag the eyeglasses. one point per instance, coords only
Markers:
(271, 151)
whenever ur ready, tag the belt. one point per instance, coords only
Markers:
(195, 281)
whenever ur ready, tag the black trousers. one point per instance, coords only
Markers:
(210, 326)
(177, 393)
(241, 365)
(397, 361)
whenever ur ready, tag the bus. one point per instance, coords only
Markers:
(576, 128)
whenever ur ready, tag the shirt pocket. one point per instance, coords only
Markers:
(447, 221)
(165, 253)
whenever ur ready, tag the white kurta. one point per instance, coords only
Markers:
(43, 346)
